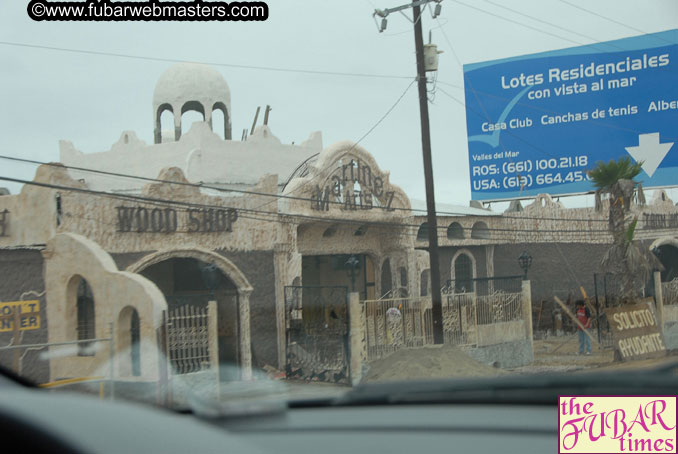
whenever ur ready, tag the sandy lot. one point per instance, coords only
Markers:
(560, 354)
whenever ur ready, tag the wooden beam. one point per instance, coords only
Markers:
(574, 318)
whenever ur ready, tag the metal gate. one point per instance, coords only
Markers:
(317, 322)
(187, 333)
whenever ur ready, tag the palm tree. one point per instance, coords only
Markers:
(626, 258)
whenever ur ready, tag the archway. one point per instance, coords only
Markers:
(221, 117)
(195, 277)
(463, 272)
(668, 256)
(128, 335)
(480, 231)
(455, 231)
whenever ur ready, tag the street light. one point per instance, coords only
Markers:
(210, 276)
(351, 264)
(525, 261)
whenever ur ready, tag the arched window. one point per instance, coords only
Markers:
(422, 234)
(463, 274)
(85, 318)
(164, 121)
(360, 231)
(455, 231)
(220, 120)
(403, 276)
(135, 334)
(330, 231)
(480, 231)
(128, 334)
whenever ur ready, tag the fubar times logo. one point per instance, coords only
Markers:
(617, 424)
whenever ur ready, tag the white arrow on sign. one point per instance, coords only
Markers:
(650, 151)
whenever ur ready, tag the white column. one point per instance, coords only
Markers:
(659, 298)
(244, 331)
(527, 311)
(357, 338)
(280, 265)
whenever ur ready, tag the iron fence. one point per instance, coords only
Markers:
(496, 299)
(485, 286)
(188, 339)
(670, 292)
(317, 322)
(392, 324)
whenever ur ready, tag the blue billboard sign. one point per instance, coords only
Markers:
(537, 123)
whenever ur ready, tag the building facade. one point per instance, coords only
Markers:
(106, 245)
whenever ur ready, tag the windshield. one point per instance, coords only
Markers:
(204, 202)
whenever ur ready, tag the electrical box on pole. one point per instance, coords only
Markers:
(431, 57)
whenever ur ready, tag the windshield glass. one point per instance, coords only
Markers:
(208, 205)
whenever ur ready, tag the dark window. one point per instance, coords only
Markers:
(361, 231)
(480, 231)
(463, 274)
(135, 332)
(403, 277)
(425, 282)
(85, 309)
(422, 234)
(455, 231)
(386, 282)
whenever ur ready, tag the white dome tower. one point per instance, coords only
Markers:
(191, 87)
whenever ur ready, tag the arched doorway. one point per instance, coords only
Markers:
(197, 276)
(668, 256)
(462, 267)
(190, 282)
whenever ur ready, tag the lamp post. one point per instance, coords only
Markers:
(525, 261)
(351, 265)
(210, 277)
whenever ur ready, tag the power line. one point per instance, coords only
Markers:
(517, 22)
(609, 19)
(277, 196)
(281, 217)
(227, 65)
(537, 19)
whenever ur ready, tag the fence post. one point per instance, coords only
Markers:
(212, 339)
(527, 310)
(357, 346)
(111, 356)
(659, 298)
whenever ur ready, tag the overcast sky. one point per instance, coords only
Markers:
(48, 95)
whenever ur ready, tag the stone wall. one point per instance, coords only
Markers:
(21, 278)
(557, 269)
(258, 268)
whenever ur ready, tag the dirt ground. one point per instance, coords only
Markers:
(552, 355)
(430, 362)
(560, 354)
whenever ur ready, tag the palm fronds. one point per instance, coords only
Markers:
(605, 175)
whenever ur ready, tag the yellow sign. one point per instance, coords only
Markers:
(29, 315)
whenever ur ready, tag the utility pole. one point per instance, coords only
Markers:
(436, 296)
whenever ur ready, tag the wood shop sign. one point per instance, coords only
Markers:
(635, 331)
(169, 220)
(340, 190)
